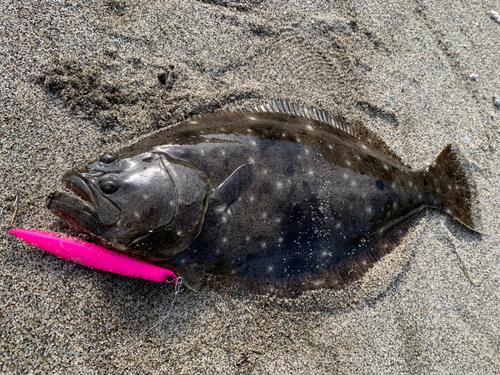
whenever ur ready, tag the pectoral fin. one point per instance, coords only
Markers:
(234, 185)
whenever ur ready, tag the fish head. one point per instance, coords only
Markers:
(133, 205)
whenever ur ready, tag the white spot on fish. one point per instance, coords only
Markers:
(251, 160)
(306, 151)
(179, 233)
(253, 143)
(145, 196)
(298, 140)
(136, 214)
(363, 195)
(224, 219)
(345, 176)
(252, 198)
(223, 152)
(310, 127)
(278, 220)
(270, 268)
(264, 245)
(410, 184)
(280, 240)
(330, 147)
(353, 183)
(386, 167)
(202, 152)
(369, 209)
(338, 225)
(264, 215)
(310, 172)
(171, 203)
(224, 239)
(266, 171)
(348, 163)
(193, 122)
(279, 185)
(247, 239)
(253, 119)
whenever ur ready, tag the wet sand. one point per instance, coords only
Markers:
(78, 78)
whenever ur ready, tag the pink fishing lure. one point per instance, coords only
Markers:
(93, 255)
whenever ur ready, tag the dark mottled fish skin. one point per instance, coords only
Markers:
(279, 199)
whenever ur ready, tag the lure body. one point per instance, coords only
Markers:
(93, 255)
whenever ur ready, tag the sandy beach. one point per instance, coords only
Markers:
(78, 78)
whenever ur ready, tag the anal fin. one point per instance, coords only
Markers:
(335, 278)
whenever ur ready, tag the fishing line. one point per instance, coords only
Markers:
(178, 288)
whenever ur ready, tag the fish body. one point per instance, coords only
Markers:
(277, 199)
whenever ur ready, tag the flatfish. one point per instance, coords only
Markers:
(274, 199)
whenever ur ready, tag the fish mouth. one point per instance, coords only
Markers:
(83, 197)
(84, 210)
(82, 193)
(77, 209)
(77, 183)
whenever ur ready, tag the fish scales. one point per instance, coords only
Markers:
(271, 199)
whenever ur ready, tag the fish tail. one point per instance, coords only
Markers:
(450, 187)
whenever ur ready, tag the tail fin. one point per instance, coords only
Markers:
(450, 187)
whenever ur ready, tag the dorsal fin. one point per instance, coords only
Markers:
(355, 129)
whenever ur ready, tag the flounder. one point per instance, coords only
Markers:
(275, 199)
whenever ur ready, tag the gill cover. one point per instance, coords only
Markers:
(191, 188)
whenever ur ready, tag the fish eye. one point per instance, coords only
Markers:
(107, 159)
(109, 187)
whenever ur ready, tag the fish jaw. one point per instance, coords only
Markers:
(77, 212)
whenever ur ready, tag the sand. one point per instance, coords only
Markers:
(78, 78)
